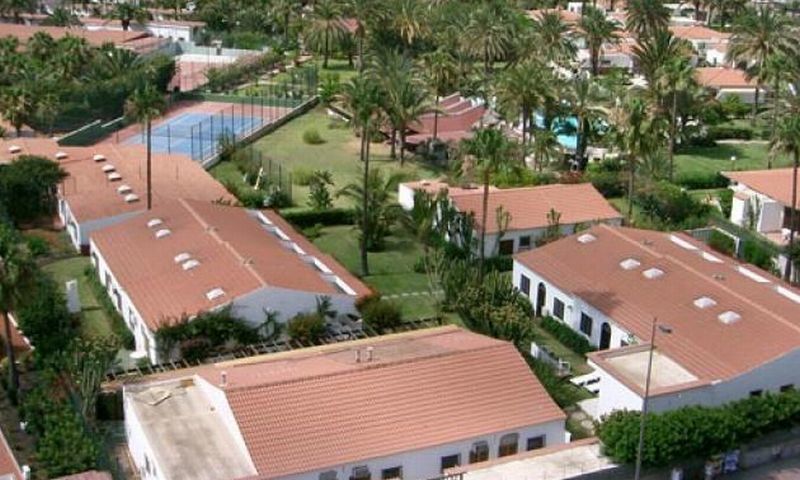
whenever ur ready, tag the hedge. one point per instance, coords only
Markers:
(500, 263)
(697, 431)
(722, 243)
(721, 132)
(701, 181)
(567, 336)
(560, 390)
(310, 218)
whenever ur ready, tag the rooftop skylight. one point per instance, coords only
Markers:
(711, 258)
(114, 176)
(729, 317)
(131, 197)
(14, 149)
(182, 257)
(108, 168)
(653, 273)
(630, 264)
(681, 242)
(154, 222)
(98, 157)
(215, 293)
(704, 302)
(163, 233)
(190, 264)
(587, 238)
(124, 189)
(752, 275)
(61, 155)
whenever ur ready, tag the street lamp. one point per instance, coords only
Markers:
(663, 328)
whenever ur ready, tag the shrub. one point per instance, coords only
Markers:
(311, 218)
(38, 246)
(701, 181)
(302, 176)
(725, 198)
(753, 252)
(523, 177)
(722, 243)
(606, 176)
(306, 327)
(196, 338)
(120, 329)
(561, 390)
(734, 107)
(669, 204)
(697, 432)
(567, 336)
(312, 137)
(499, 263)
(721, 132)
(43, 316)
(381, 315)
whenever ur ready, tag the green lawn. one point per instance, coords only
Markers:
(339, 155)
(94, 321)
(576, 361)
(709, 160)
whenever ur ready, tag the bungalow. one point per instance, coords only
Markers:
(455, 122)
(139, 42)
(728, 330)
(727, 81)
(529, 211)
(407, 405)
(702, 38)
(186, 257)
(106, 183)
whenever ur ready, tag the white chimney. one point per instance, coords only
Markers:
(358, 355)
(369, 353)
(223, 379)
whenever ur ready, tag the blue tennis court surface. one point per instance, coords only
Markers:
(198, 134)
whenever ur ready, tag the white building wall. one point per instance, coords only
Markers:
(771, 217)
(426, 463)
(614, 395)
(139, 447)
(405, 197)
(492, 247)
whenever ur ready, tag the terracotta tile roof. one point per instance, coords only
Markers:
(235, 251)
(698, 32)
(433, 187)
(90, 475)
(567, 16)
(722, 77)
(529, 206)
(456, 120)
(422, 389)
(775, 183)
(92, 196)
(93, 37)
(8, 462)
(768, 322)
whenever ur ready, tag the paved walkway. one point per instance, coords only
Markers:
(425, 293)
(787, 469)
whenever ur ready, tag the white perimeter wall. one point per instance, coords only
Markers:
(138, 446)
(80, 232)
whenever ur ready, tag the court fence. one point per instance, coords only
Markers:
(91, 133)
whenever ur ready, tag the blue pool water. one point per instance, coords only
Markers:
(564, 128)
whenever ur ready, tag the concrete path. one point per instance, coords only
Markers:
(787, 469)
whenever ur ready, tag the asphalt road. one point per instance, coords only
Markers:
(788, 469)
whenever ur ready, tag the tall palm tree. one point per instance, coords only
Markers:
(283, 11)
(408, 20)
(554, 39)
(678, 79)
(144, 105)
(391, 70)
(72, 54)
(440, 73)
(363, 12)
(16, 278)
(545, 147)
(487, 35)
(657, 50)
(646, 17)
(489, 150)
(759, 34)
(597, 30)
(521, 90)
(409, 102)
(632, 134)
(17, 105)
(326, 28)
(584, 99)
(786, 139)
(383, 210)
(129, 12)
(360, 97)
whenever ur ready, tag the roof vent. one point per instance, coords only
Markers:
(729, 317)
(61, 155)
(711, 258)
(718, 276)
(123, 189)
(752, 275)
(215, 293)
(653, 273)
(131, 197)
(114, 176)
(629, 264)
(587, 238)
(705, 302)
(182, 257)
(99, 157)
(154, 222)
(14, 149)
(108, 168)
(163, 233)
(190, 264)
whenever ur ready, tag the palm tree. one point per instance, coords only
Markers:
(144, 105)
(72, 54)
(597, 30)
(391, 71)
(284, 10)
(646, 17)
(521, 90)
(632, 134)
(678, 79)
(41, 45)
(362, 12)
(383, 210)
(129, 12)
(487, 35)
(554, 39)
(489, 150)
(545, 147)
(16, 277)
(408, 20)
(786, 139)
(584, 98)
(61, 17)
(361, 98)
(326, 28)
(657, 50)
(758, 35)
(17, 105)
(409, 102)
(440, 72)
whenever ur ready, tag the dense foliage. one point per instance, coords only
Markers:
(28, 187)
(44, 318)
(194, 338)
(693, 432)
(380, 315)
(566, 335)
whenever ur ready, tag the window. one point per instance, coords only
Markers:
(558, 308)
(787, 388)
(525, 242)
(525, 285)
(509, 443)
(392, 473)
(479, 452)
(450, 461)
(756, 393)
(94, 259)
(535, 443)
(586, 324)
(360, 473)
(506, 247)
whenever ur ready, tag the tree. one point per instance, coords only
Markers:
(361, 97)
(408, 101)
(632, 134)
(129, 12)
(144, 105)
(545, 147)
(487, 35)
(554, 39)
(440, 72)
(678, 79)
(786, 139)
(319, 197)
(408, 21)
(489, 149)
(44, 318)
(382, 212)
(325, 28)
(584, 98)
(646, 17)
(16, 8)
(521, 90)
(88, 361)
(363, 12)
(597, 31)
(658, 49)
(28, 187)
(391, 71)
(17, 105)
(16, 275)
(758, 35)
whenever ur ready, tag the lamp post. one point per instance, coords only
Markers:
(663, 329)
